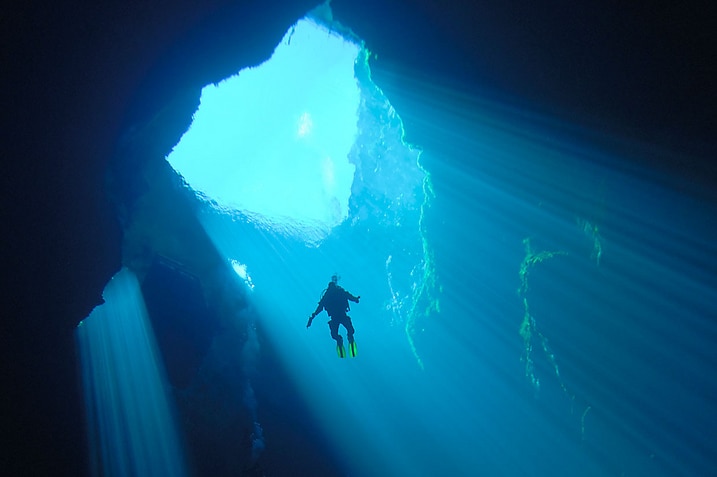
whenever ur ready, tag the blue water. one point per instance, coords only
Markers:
(534, 301)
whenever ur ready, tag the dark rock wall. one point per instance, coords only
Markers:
(639, 72)
(74, 76)
(78, 75)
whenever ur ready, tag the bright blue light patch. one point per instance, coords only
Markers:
(130, 422)
(273, 141)
(240, 269)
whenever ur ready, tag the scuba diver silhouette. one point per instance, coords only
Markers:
(335, 300)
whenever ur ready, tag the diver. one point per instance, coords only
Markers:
(335, 300)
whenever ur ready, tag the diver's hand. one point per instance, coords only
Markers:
(311, 318)
(358, 299)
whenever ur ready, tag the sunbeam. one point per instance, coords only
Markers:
(129, 410)
(596, 265)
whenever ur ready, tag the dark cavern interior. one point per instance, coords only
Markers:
(523, 194)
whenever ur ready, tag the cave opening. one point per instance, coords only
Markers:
(273, 141)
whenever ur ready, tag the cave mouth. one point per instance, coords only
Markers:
(273, 142)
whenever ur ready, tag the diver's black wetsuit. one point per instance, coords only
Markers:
(336, 303)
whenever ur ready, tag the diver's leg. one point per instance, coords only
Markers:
(346, 321)
(349, 328)
(334, 327)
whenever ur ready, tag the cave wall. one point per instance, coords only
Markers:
(77, 75)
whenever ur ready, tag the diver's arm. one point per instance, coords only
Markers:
(354, 299)
(319, 309)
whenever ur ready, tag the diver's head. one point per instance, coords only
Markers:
(335, 279)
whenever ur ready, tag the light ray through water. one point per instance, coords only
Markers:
(624, 307)
(129, 412)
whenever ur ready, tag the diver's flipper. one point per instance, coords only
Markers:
(341, 351)
(352, 349)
